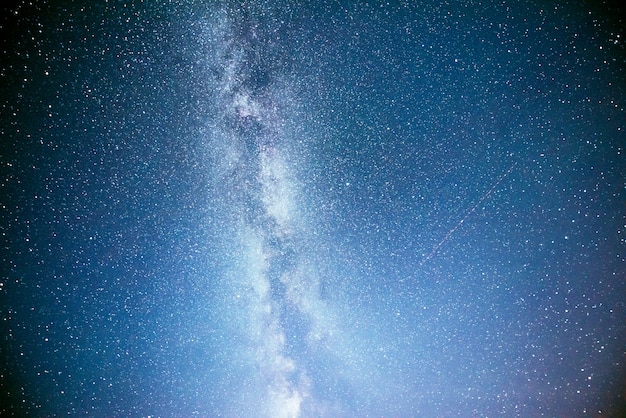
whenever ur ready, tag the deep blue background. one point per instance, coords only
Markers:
(403, 118)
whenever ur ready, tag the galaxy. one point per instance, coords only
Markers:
(313, 209)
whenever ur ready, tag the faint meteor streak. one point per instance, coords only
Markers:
(467, 215)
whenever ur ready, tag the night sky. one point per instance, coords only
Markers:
(327, 209)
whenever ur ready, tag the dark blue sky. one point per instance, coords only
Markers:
(337, 209)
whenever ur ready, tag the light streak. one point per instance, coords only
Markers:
(467, 215)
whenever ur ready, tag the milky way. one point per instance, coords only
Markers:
(334, 209)
(272, 285)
